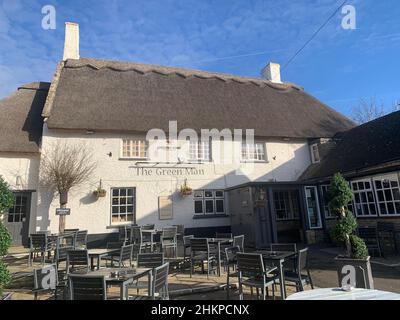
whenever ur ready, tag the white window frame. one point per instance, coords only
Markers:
(362, 203)
(213, 198)
(313, 159)
(317, 207)
(119, 205)
(245, 156)
(202, 150)
(378, 202)
(131, 142)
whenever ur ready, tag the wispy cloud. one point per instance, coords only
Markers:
(230, 36)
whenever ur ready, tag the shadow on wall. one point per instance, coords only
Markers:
(45, 198)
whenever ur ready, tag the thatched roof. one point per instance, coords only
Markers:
(366, 146)
(103, 95)
(20, 118)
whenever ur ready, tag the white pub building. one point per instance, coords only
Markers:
(109, 107)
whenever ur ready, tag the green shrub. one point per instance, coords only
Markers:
(358, 248)
(5, 276)
(6, 201)
(6, 196)
(343, 232)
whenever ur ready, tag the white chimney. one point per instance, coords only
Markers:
(71, 43)
(272, 72)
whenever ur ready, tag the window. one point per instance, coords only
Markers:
(253, 151)
(286, 205)
(136, 149)
(364, 202)
(315, 158)
(199, 150)
(17, 213)
(313, 213)
(209, 202)
(122, 205)
(388, 194)
(325, 202)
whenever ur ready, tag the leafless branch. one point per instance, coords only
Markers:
(367, 110)
(65, 166)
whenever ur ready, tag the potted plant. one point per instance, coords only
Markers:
(100, 192)
(354, 268)
(185, 189)
(6, 202)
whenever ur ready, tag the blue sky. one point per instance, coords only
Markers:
(233, 36)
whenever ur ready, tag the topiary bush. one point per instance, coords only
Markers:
(6, 202)
(343, 232)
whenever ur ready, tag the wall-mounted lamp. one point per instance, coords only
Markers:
(89, 132)
(109, 154)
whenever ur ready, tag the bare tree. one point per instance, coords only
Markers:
(367, 110)
(63, 167)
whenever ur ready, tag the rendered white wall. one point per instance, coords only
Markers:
(286, 161)
(25, 166)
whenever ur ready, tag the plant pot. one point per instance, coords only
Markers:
(186, 192)
(100, 193)
(357, 272)
(6, 296)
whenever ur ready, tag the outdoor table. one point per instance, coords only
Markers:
(339, 294)
(278, 258)
(98, 254)
(124, 280)
(218, 242)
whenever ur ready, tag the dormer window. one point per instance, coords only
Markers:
(199, 150)
(134, 148)
(315, 158)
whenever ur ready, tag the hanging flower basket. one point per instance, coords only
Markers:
(185, 189)
(100, 192)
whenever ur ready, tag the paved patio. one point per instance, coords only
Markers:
(386, 277)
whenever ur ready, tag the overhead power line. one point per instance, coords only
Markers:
(314, 34)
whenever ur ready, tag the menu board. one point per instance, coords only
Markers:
(165, 208)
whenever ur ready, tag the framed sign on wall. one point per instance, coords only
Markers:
(165, 208)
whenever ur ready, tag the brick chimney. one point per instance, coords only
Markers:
(71, 42)
(272, 72)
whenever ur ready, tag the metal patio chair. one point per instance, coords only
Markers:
(86, 287)
(139, 244)
(186, 245)
(290, 263)
(231, 263)
(39, 244)
(201, 252)
(126, 254)
(159, 285)
(169, 240)
(77, 261)
(147, 260)
(298, 277)
(123, 234)
(80, 241)
(239, 241)
(253, 273)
